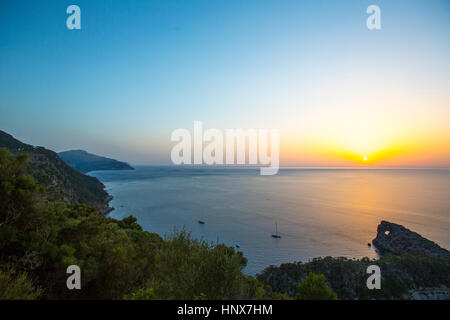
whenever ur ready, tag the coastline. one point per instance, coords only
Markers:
(108, 209)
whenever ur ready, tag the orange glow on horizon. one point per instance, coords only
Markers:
(388, 129)
(417, 153)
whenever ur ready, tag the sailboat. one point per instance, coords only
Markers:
(276, 235)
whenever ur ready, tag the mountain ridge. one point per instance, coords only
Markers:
(84, 162)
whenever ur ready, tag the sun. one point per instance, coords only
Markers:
(365, 158)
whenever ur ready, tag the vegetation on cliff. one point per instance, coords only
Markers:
(314, 287)
(16, 286)
(347, 277)
(409, 263)
(61, 182)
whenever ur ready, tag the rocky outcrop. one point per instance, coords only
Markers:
(418, 269)
(397, 239)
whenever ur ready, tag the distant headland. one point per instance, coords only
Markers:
(85, 162)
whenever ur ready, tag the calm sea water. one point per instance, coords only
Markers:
(319, 212)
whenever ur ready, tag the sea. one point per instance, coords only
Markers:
(317, 211)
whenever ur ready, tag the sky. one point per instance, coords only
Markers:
(137, 70)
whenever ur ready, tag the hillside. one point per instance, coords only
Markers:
(39, 240)
(61, 181)
(85, 162)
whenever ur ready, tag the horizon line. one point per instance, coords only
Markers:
(243, 166)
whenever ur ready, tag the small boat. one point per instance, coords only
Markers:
(201, 222)
(276, 235)
(238, 246)
(369, 245)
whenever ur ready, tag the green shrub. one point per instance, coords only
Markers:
(314, 287)
(16, 286)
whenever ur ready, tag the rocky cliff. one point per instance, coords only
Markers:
(61, 182)
(397, 239)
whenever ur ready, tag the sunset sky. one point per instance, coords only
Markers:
(137, 70)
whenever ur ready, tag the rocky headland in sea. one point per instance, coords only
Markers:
(412, 267)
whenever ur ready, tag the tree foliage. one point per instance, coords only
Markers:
(314, 287)
(15, 286)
